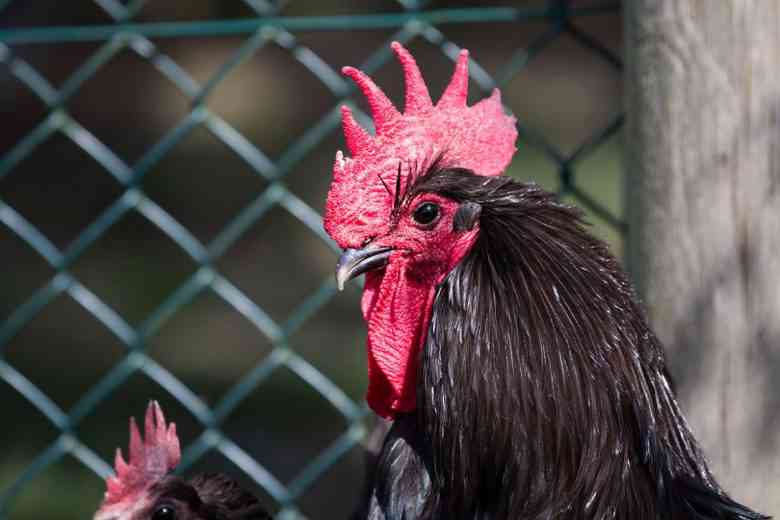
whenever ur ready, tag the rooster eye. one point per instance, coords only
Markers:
(164, 512)
(426, 213)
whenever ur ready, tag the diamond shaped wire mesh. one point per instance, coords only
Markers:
(414, 22)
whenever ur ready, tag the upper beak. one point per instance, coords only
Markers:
(354, 262)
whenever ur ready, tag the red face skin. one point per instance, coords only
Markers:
(398, 299)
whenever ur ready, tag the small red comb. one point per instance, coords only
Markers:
(151, 458)
(480, 138)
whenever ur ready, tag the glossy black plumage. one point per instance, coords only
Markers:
(209, 496)
(543, 394)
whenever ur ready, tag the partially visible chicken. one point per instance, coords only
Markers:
(144, 489)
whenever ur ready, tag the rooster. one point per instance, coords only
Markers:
(145, 489)
(504, 341)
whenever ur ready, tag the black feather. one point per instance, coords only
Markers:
(387, 188)
(223, 497)
(208, 496)
(397, 199)
(543, 393)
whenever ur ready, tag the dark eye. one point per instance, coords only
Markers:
(426, 213)
(164, 512)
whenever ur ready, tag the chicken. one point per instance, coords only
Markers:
(145, 489)
(504, 341)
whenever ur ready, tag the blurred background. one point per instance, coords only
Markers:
(177, 181)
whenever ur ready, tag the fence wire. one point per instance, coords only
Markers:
(268, 27)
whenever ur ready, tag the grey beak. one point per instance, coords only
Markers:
(354, 262)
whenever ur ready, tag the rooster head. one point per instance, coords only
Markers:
(151, 459)
(407, 241)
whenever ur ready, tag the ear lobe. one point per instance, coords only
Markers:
(466, 216)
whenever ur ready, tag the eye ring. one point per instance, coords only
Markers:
(164, 512)
(426, 213)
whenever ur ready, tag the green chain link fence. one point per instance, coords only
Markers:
(415, 21)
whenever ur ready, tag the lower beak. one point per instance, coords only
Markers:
(354, 262)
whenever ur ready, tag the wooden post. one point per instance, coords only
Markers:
(703, 200)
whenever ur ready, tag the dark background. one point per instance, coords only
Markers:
(565, 94)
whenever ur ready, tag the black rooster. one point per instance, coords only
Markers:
(144, 489)
(503, 339)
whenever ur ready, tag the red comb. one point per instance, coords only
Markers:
(151, 458)
(480, 138)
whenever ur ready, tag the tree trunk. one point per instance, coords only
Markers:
(703, 199)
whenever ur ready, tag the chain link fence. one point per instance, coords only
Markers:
(265, 25)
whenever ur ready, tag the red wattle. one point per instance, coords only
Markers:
(398, 309)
